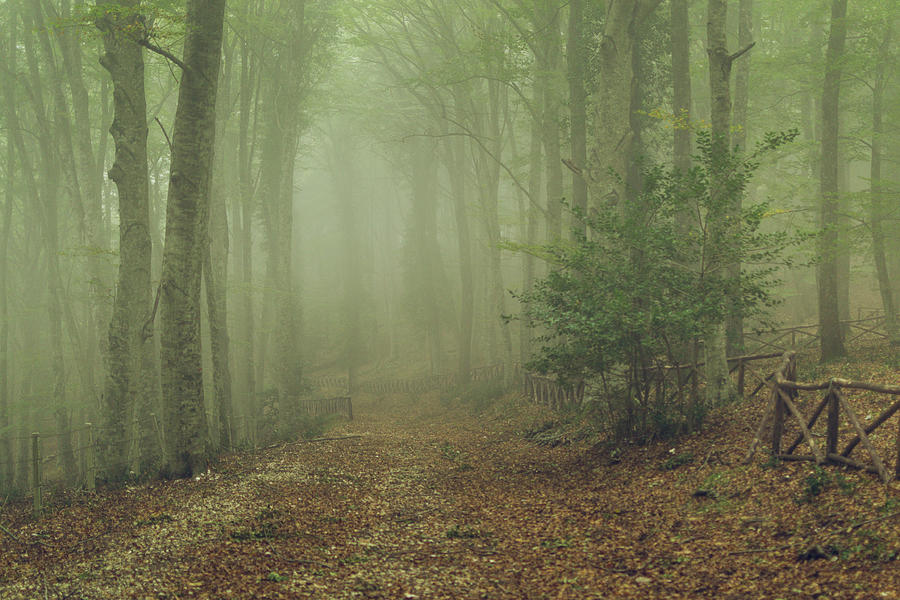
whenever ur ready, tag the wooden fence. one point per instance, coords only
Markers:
(550, 392)
(804, 336)
(342, 405)
(418, 385)
(46, 469)
(783, 400)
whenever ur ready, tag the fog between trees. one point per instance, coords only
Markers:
(207, 202)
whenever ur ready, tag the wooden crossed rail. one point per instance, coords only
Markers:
(550, 392)
(804, 336)
(784, 390)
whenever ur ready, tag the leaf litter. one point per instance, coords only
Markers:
(433, 502)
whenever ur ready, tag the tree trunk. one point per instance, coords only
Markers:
(424, 236)
(576, 61)
(215, 273)
(549, 64)
(878, 213)
(830, 335)
(681, 84)
(49, 215)
(123, 59)
(735, 320)
(186, 223)
(612, 136)
(456, 152)
(252, 412)
(9, 101)
(717, 381)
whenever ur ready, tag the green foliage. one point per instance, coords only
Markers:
(648, 278)
(673, 462)
(820, 480)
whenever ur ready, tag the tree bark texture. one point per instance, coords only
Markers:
(830, 335)
(612, 136)
(9, 102)
(186, 222)
(735, 320)
(717, 381)
(681, 84)
(576, 62)
(123, 59)
(876, 189)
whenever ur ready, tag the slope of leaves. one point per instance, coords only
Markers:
(430, 502)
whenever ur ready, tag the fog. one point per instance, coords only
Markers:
(392, 190)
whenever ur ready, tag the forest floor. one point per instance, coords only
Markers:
(431, 501)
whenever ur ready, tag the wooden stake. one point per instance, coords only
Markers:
(36, 473)
(778, 424)
(876, 460)
(809, 424)
(834, 409)
(820, 458)
(91, 474)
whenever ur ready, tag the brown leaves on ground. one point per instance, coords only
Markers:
(429, 503)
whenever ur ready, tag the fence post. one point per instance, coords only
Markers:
(91, 473)
(36, 472)
(778, 424)
(831, 438)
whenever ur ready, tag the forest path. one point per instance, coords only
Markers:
(427, 503)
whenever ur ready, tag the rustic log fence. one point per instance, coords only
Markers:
(342, 405)
(784, 393)
(799, 337)
(550, 392)
(45, 470)
(419, 385)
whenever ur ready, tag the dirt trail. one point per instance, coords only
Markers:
(425, 506)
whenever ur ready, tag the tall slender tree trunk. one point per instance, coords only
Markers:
(9, 101)
(457, 152)
(130, 328)
(91, 179)
(245, 209)
(876, 190)
(550, 61)
(720, 62)
(424, 235)
(681, 84)
(186, 224)
(612, 136)
(576, 59)
(533, 216)
(344, 161)
(830, 335)
(735, 321)
(215, 273)
(49, 213)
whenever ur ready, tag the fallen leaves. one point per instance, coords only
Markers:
(431, 504)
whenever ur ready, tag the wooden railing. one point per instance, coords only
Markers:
(550, 392)
(342, 405)
(784, 391)
(804, 336)
(418, 385)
